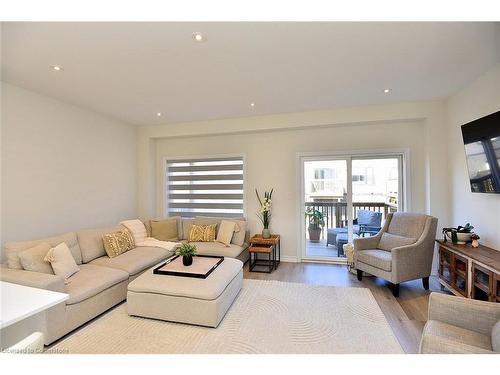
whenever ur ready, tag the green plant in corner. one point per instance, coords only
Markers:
(316, 223)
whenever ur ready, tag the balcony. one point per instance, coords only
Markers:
(335, 216)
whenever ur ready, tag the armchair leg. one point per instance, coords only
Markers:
(425, 282)
(359, 273)
(395, 289)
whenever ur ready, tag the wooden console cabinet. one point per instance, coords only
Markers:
(470, 272)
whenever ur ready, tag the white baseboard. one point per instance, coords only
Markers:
(289, 259)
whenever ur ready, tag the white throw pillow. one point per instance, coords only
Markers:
(137, 228)
(62, 261)
(226, 231)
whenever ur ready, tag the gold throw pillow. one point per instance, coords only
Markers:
(118, 243)
(202, 233)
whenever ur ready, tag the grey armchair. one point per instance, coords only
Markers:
(461, 325)
(402, 250)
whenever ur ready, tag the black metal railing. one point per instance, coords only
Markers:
(335, 213)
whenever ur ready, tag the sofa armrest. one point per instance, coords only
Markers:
(478, 316)
(33, 279)
(366, 243)
(440, 345)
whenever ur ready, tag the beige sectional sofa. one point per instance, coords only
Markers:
(101, 282)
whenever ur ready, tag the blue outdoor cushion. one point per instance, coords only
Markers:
(370, 218)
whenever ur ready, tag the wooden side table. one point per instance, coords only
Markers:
(270, 246)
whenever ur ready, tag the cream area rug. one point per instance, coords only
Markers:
(267, 317)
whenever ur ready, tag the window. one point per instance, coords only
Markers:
(205, 187)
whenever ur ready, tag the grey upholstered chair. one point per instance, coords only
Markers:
(401, 251)
(461, 325)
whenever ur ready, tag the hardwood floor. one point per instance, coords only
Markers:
(406, 315)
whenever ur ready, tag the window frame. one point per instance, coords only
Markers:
(164, 209)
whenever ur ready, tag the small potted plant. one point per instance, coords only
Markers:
(187, 251)
(474, 237)
(316, 223)
(459, 235)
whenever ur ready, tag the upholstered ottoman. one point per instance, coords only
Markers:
(184, 299)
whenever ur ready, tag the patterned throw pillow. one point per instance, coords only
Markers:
(202, 233)
(117, 243)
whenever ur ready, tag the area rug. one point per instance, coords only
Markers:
(267, 317)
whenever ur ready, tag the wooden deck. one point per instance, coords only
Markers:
(319, 249)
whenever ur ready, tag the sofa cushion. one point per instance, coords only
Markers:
(61, 261)
(32, 259)
(217, 248)
(186, 227)
(238, 237)
(147, 224)
(390, 241)
(453, 333)
(91, 243)
(407, 224)
(91, 280)
(375, 257)
(226, 231)
(164, 230)
(12, 248)
(135, 260)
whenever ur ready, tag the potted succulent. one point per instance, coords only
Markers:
(316, 223)
(459, 235)
(187, 251)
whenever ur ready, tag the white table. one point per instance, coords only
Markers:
(19, 302)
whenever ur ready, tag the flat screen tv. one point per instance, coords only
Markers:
(482, 151)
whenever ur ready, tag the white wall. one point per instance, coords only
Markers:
(479, 99)
(63, 168)
(271, 162)
(419, 125)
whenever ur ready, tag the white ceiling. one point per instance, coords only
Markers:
(131, 71)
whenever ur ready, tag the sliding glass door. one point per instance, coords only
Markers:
(347, 197)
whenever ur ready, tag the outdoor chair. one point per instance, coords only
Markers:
(367, 223)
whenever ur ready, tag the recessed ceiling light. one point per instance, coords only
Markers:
(199, 37)
(158, 114)
(57, 68)
(252, 104)
(387, 91)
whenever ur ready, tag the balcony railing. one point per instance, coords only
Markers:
(335, 213)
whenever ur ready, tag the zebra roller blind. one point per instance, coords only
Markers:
(205, 187)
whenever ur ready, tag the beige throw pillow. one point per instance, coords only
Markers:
(226, 231)
(202, 233)
(33, 259)
(164, 230)
(118, 243)
(62, 261)
(239, 236)
(390, 241)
